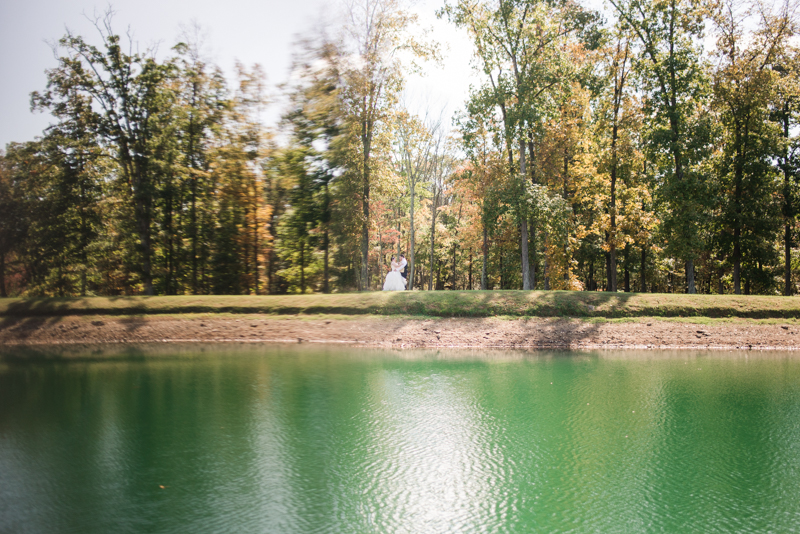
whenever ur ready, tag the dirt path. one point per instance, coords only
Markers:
(402, 332)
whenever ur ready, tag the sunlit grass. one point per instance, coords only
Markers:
(419, 304)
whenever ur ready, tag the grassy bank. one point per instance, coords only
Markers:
(424, 303)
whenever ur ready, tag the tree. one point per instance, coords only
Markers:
(419, 153)
(668, 33)
(314, 124)
(127, 92)
(745, 87)
(72, 148)
(487, 177)
(373, 77)
(201, 102)
(250, 135)
(619, 70)
(786, 67)
(12, 208)
(238, 243)
(441, 170)
(523, 49)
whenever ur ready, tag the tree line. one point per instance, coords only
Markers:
(655, 151)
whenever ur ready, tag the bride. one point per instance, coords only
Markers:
(394, 280)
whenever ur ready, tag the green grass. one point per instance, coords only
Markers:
(425, 303)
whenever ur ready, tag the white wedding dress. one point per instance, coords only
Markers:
(394, 280)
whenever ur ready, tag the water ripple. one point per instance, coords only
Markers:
(299, 442)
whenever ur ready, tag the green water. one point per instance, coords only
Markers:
(265, 439)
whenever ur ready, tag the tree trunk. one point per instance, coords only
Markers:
(737, 202)
(532, 156)
(169, 253)
(611, 236)
(523, 223)
(399, 233)
(531, 222)
(611, 283)
(502, 272)
(3, 293)
(379, 261)
(256, 280)
(544, 268)
(566, 172)
(302, 268)
(627, 281)
(364, 281)
(365, 225)
(532, 249)
(526, 271)
(143, 224)
(245, 274)
(737, 261)
(60, 278)
(485, 250)
(325, 272)
(642, 278)
(454, 266)
(270, 268)
(84, 235)
(434, 206)
(411, 245)
(677, 157)
(193, 194)
(787, 261)
(194, 234)
(203, 279)
(469, 278)
(690, 289)
(788, 209)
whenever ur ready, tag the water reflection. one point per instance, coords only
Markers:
(321, 439)
(429, 467)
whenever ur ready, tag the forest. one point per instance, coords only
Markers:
(652, 148)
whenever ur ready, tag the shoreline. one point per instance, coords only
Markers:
(404, 332)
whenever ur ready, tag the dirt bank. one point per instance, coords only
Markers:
(403, 331)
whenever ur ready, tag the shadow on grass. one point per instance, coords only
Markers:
(591, 304)
(141, 305)
(54, 306)
(421, 303)
(511, 303)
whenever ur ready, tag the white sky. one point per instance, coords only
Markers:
(251, 31)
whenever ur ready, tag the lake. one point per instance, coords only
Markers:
(301, 439)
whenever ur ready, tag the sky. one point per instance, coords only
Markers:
(249, 31)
